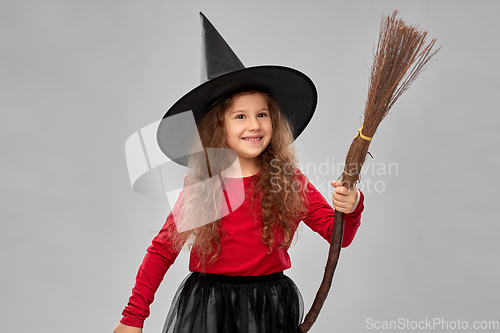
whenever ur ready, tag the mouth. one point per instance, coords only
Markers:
(253, 139)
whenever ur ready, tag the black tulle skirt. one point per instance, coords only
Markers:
(235, 304)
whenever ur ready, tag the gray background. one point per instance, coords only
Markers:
(79, 77)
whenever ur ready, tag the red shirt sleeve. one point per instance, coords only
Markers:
(320, 216)
(159, 257)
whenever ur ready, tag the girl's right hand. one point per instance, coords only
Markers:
(121, 328)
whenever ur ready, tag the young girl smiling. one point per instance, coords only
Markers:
(237, 261)
(248, 129)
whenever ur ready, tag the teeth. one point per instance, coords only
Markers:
(250, 139)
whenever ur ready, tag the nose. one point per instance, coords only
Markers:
(254, 124)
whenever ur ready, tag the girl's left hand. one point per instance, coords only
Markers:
(344, 199)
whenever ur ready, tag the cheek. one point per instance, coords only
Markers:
(269, 131)
(230, 135)
(270, 128)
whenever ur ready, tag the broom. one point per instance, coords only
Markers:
(401, 55)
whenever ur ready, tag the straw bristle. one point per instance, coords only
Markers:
(401, 56)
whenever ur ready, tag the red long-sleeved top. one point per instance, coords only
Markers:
(242, 251)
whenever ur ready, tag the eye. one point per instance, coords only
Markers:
(263, 114)
(240, 116)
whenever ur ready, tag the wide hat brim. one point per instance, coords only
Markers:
(293, 91)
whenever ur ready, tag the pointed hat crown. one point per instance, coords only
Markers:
(217, 58)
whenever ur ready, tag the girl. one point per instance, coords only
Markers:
(236, 282)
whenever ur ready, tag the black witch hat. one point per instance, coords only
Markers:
(223, 75)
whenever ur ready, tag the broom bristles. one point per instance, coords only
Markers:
(400, 57)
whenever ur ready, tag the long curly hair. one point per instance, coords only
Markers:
(282, 204)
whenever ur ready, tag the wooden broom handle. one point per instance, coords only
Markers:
(331, 264)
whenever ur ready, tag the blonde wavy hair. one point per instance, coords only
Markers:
(281, 208)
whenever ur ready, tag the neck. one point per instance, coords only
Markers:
(249, 167)
(244, 168)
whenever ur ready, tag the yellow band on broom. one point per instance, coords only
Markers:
(367, 138)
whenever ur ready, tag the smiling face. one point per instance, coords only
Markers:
(248, 129)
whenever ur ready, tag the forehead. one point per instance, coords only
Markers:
(249, 102)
